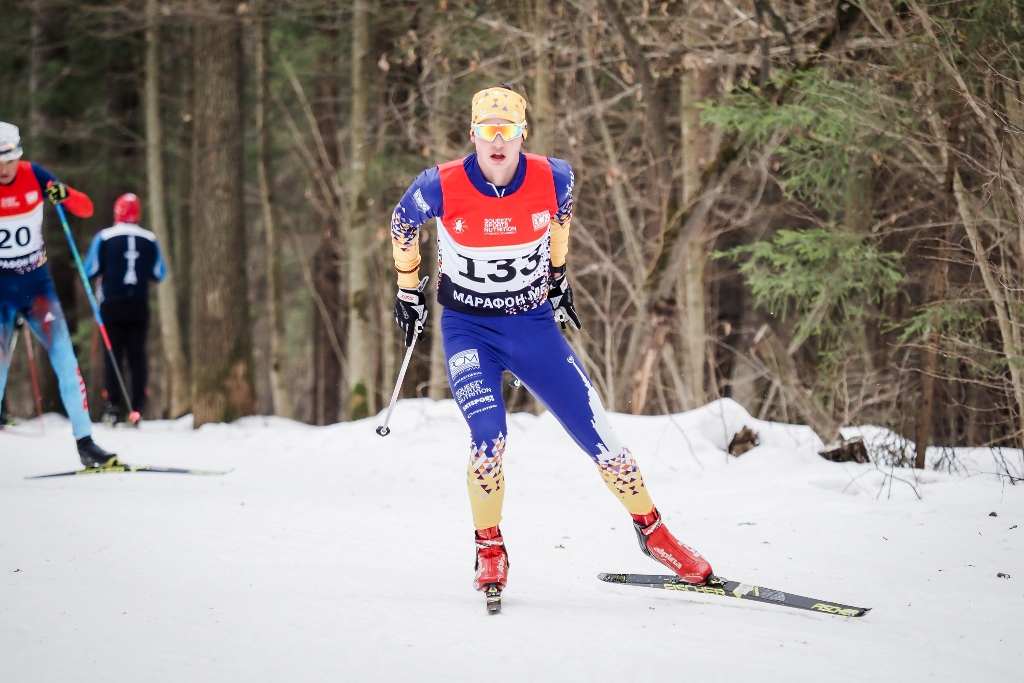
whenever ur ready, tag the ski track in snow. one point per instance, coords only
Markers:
(331, 554)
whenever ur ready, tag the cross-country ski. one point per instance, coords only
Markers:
(120, 468)
(734, 589)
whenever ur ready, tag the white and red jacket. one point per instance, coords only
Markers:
(21, 218)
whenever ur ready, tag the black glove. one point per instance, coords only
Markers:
(560, 298)
(57, 192)
(411, 311)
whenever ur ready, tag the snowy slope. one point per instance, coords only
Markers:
(331, 554)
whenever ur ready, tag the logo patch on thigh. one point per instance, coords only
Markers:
(463, 361)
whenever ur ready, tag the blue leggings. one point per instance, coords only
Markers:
(33, 295)
(530, 346)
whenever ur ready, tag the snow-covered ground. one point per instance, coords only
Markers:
(331, 554)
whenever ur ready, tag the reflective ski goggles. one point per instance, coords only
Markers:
(508, 131)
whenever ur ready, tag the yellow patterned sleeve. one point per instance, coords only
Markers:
(560, 241)
(405, 247)
(407, 263)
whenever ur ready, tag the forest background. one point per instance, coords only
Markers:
(813, 207)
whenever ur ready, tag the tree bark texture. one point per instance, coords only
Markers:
(280, 396)
(931, 364)
(696, 85)
(222, 385)
(542, 130)
(434, 98)
(329, 378)
(178, 390)
(362, 371)
(35, 147)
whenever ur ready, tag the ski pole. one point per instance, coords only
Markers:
(132, 414)
(94, 346)
(383, 430)
(10, 359)
(35, 381)
(14, 345)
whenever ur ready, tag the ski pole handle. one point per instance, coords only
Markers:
(383, 430)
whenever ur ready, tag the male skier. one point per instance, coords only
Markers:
(503, 236)
(26, 286)
(126, 257)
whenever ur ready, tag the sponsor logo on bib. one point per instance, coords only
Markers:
(499, 226)
(31, 197)
(9, 202)
(460, 226)
(541, 220)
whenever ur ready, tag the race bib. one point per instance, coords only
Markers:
(21, 239)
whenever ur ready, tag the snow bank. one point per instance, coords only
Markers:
(885, 445)
(330, 553)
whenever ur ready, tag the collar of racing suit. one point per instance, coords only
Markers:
(476, 176)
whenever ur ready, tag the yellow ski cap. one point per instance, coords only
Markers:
(499, 103)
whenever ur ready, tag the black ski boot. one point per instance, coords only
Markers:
(6, 419)
(94, 456)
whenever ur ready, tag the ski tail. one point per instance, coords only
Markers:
(734, 589)
(123, 468)
(493, 594)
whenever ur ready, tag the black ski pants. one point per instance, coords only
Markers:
(127, 324)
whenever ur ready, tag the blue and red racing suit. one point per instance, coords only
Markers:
(27, 288)
(495, 253)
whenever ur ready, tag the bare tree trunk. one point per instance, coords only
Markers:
(329, 378)
(924, 421)
(433, 93)
(181, 232)
(45, 20)
(282, 403)
(35, 147)
(744, 376)
(37, 63)
(696, 85)
(541, 132)
(327, 281)
(178, 390)
(361, 370)
(222, 386)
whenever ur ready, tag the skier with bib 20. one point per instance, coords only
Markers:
(26, 286)
(503, 235)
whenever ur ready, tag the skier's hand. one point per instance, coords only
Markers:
(411, 311)
(56, 192)
(560, 298)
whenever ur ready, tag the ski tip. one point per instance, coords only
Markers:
(201, 473)
(612, 578)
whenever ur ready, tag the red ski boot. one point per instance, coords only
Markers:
(491, 559)
(658, 544)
